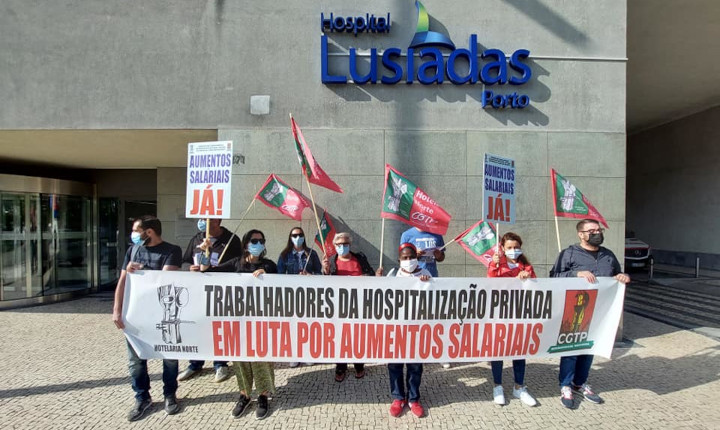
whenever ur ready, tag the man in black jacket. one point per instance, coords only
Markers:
(585, 260)
(220, 238)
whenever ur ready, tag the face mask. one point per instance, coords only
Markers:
(256, 249)
(136, 238)
(596, 239)
(342, 249)
(298, 241)
(409, 265)
(202, 224)
(513, 254)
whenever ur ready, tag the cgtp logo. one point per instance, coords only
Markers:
(574, 329)
(428, 66)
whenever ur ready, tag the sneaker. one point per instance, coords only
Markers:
(222, 374)
(171, 405)
(187, 374)
(397, 407)
(566, 397)
(340, 375)
(139, 409)
(446, 365)
(359, 374)
(262, 407)
(524, 396)
(294, 364)
(241, 406)
(498, 395)
(417, 409)
(586, 391)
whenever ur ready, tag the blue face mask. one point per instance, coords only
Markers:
(202, 224)
(256, 249)
(298, 241)
(136, 238)
(342, 249)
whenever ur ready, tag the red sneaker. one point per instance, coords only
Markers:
(417, 409)
(397, 407)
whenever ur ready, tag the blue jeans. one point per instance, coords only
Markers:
(141, 379)
(518, 371)
(575, 369)
(411, 379)
(198, 364)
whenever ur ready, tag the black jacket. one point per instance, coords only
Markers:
(361, 258)
(575, 259)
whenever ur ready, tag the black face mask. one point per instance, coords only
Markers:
(595, 239)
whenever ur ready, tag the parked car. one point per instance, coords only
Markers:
(637, 254)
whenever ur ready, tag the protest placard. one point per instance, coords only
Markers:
(209, 178)
(499, 189)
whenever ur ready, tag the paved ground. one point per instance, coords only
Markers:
(63, 366)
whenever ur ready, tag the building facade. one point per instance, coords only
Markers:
(117, 90)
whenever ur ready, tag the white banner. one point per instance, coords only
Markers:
(209, 179)
(329, 319)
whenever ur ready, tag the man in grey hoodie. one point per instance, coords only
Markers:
(585, 260)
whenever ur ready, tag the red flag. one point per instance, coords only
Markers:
(569, 202)
(327, 230)
(310, 167)
(278, 195)
(409, 204)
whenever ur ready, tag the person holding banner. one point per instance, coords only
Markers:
(409, 268)
(511, 264)
(586, 260)
(346, 263)
(220, 238)
(430, 252)
(262, 374)
(149, 252)
(298, 259)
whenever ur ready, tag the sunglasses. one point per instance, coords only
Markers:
(256, 241)
(297, 235)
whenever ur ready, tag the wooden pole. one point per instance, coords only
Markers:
(557, 233)
(317, 220)
(382, 240)
(227, 245)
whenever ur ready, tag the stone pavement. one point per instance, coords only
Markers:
(63, 366)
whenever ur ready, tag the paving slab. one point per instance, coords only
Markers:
(64, 366)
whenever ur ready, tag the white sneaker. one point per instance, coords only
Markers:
(498, 395)
(294, 364)
(524, 396)
(222, 374)
(446, 365)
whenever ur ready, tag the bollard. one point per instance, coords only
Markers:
(652, 267)
(697, 267)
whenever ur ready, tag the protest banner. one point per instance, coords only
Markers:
(209, 177)
(330, 319)
(499, 189)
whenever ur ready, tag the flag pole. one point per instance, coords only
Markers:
(312, 198)
(317, 220)
(252, 203)
(557, 233)
(207, 236)
(382, 241)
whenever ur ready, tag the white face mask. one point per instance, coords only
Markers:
(513, 254)
(409, 265)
